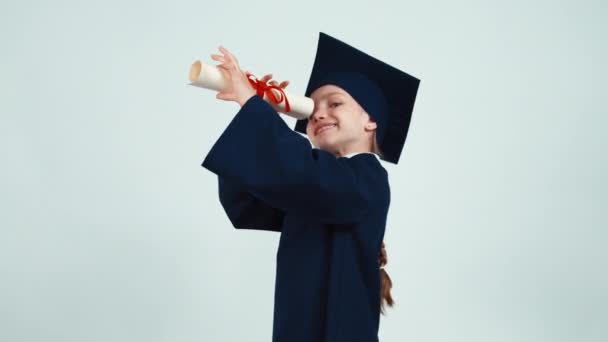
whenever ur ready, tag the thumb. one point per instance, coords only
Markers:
(223, 96)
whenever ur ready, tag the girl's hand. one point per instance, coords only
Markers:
(240, 90)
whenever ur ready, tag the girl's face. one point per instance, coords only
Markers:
(338, 123)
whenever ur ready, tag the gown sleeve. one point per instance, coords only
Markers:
(280, 167)
(244, 210)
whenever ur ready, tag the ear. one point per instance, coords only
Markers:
(371, 125)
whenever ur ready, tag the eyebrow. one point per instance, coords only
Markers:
(332, 93)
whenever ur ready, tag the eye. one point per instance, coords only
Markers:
(335, 103)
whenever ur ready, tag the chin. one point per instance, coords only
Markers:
(328, 142)
(327, 147)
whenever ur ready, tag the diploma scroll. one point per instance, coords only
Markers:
(209, 76)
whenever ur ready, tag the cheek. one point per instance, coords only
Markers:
(308, 130)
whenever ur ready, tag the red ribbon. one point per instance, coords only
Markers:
(262, 88)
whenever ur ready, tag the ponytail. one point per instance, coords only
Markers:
(387, 284)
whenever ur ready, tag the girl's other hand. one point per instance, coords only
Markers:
(268, 77)
(283, 85)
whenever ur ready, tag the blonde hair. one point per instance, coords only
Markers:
(376, 147)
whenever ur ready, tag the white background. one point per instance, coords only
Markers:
(110, 230)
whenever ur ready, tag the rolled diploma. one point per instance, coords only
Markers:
(209, 76)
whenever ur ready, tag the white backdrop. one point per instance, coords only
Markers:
(110, 230)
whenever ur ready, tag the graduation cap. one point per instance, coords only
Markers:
(386, 93)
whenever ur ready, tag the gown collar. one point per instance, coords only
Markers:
(355, 153)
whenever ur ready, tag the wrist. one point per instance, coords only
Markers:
(246, 98)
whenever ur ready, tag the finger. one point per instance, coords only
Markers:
(226, 53)
(217, 57)
(284, 84)
(226, 66)
(230, 56)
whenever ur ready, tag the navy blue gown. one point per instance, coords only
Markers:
(331, 213)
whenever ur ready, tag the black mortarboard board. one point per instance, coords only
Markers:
(386, 93)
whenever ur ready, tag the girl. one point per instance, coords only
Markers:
(329, 201)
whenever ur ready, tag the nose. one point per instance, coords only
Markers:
(317, 115)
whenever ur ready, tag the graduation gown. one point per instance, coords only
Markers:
(331, 214)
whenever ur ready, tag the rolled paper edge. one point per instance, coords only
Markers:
(206, 76)
(195, 71)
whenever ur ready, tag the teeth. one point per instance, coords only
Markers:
(325, 128)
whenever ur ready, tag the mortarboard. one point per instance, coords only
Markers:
(386, 93)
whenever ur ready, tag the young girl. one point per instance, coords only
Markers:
(330, 201)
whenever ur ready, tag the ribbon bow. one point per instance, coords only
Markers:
(264, 88)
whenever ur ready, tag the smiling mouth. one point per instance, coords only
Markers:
(325, 128)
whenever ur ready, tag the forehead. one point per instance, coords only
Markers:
(326, 91)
